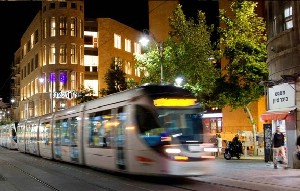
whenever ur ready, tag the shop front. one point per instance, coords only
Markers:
(281, 112)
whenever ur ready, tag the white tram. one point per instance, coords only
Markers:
(152, 130)
(8, 138)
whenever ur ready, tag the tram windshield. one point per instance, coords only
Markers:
(172, 125)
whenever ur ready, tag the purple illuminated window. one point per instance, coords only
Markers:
(52, 77)
(63, 77)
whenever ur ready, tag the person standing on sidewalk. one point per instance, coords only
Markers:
(278, 146)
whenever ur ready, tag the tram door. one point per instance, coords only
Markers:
(120, 139)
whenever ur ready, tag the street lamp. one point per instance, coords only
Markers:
(178, 81)
(160, 46)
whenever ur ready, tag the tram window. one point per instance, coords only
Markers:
(145, 119)
(73, 129)
(100, 128)
(65, 132)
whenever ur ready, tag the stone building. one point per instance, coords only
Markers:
(60, 52)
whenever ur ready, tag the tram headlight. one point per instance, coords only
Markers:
(173, 150)
(174, 153)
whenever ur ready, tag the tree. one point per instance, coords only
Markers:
(115, 79)
(186, 54)
(243, 44)
(85, 94)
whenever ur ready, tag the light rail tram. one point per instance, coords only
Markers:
(154, 130)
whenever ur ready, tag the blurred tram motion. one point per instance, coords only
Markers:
(152, 130)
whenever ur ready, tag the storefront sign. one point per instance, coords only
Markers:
(281, 96)
(65, 94)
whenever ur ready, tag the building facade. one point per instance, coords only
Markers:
(284, 70)
(60, 53)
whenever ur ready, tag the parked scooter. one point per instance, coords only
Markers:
(233, 150)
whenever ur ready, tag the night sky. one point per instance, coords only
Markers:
(16, 16)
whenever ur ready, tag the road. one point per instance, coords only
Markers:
(24, 172)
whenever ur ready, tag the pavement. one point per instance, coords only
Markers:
(253, 173)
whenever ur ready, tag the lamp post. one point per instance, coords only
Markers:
(160, 46)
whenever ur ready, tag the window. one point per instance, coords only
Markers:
(36, 36)
(117, 41)
(36, 61)
(80, 29)
(44, 55)
(63, 25)
(52, 22)
(73, 6)
(52, 5)
(63, 54)
(73, 54)
(45, 28)
(128, 68)
(63, 4)
(73, 26)
(52, 54)
(137, 48)
(288, 16)
(73, 81)
(88, 40)
(127, 45)
(81, 57)
(32, 40)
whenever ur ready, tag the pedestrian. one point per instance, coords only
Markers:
(219, 144)
(278, 147)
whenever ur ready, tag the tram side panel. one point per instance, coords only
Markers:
(45, 136)
(98, 140)
(21, 136)
(67, 132)
(31, 142)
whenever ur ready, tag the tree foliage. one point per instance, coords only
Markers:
(115, 78)
(186, 54)
(85, 94)
(243, 44)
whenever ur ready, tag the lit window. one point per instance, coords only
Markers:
(73, 54)
(73, 26)
(45, 28)
(44, 55)
(52, 22)
(117, 41)
(128, 68)
(62, 25)
(63, 54)
(127, 45)
(52, 54)
(288, 16)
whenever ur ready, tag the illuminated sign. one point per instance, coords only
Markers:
(174, 102)
(71, 94)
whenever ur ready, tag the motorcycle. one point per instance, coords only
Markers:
(233, 150)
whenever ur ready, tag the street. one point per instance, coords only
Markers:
(19, 171)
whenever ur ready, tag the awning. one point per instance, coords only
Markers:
(279, 114)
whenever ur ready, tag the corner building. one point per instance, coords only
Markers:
(282, 88)
(60, 52)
